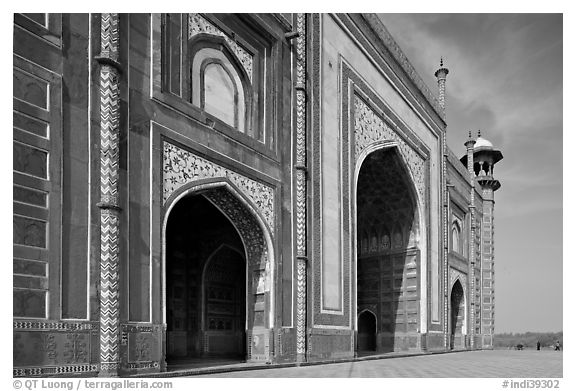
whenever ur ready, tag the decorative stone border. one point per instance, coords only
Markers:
(144, 365)
(56, 326)
(181, 167)
(394, 49)
(65, 369)
(370, 128)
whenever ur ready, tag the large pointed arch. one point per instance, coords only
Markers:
(421, 235)
(406, 236)
(414, 193)
(259, 254)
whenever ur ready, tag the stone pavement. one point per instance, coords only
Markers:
(487, 363)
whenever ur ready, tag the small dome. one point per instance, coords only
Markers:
(483, 143)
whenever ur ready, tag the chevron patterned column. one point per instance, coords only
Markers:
(445, 233)
(301, 252)
(109, 206)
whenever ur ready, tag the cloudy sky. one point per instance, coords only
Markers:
(506, 80)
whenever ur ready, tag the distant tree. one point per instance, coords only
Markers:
(528, 339)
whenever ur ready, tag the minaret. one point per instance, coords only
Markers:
(471, 239)
(480, 159)
(441, 76)
(469, 144)
(486, 156)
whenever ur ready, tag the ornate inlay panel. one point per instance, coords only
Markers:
(52, 325)
(197, 24)
(59, 370)
(455, 274)
(181, 167)
(369, 128)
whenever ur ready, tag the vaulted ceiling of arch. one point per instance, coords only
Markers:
(383, 195)
(197, 228)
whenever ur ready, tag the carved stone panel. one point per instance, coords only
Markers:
(51, 348)
(76, 348)
(259, 344)
(141, 346)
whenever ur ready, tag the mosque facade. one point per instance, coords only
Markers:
(255, 187)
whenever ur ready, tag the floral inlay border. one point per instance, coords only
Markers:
(369, 128)
(181, 167)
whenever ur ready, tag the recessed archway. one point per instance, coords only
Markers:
(224, 303)
(229, 285)
(387, 253)
(366, 331)
(205, 284)
(457, 316)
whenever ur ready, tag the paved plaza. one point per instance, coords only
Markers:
(489, 363)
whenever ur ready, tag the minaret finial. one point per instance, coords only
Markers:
(470, 140)
(441, 76)
(479, 135)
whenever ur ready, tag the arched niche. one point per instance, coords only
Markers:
(220, 85)
(457, 319)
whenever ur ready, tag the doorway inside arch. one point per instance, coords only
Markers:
(456, 316)
(387, 252)
(366, 332)
(205, 286)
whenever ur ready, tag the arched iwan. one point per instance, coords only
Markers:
(387, 206)
(256, 237)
